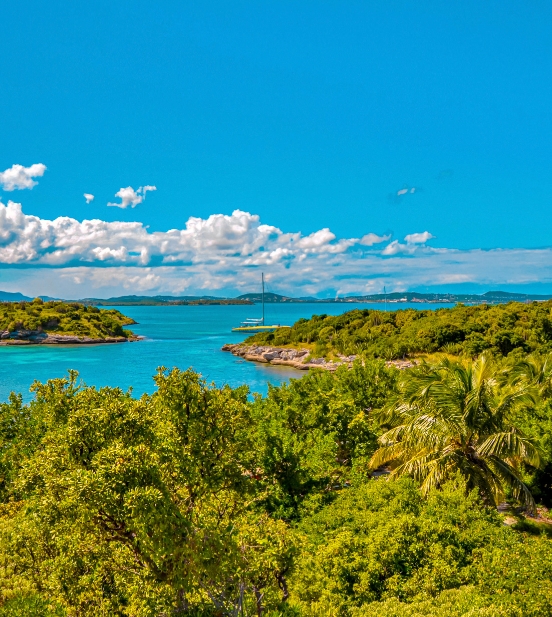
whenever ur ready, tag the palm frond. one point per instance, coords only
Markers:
(509, 445)
(510, 478)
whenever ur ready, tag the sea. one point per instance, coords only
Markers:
(174, 336)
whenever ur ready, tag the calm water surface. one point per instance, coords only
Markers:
(181, 336)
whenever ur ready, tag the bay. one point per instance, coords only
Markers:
(175, 336)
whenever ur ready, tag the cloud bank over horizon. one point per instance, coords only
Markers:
(227, 252)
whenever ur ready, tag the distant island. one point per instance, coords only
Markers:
(56, 323)
(163, 301)
(490, 297)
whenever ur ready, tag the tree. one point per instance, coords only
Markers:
(453, 417)
(312, 432)
(142, 507)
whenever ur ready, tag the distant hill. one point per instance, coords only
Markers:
(161, 301)
(490, 297)
(272, 298)
(8, 296)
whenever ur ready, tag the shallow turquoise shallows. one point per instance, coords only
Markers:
(181, 336)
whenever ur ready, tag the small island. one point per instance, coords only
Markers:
(61, 323)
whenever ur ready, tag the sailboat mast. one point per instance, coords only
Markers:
(262, 279)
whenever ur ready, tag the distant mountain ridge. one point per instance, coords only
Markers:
(490, 297)
(162, 300)
(11, 296)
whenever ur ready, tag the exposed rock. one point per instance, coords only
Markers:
(39, 337)
(298, 358)
(255, 357)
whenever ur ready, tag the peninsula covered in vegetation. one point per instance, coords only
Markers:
(513, 328)
(56, 322)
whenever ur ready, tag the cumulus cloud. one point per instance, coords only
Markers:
(223, 252)
(371, 239)
(239, 238)
(131, 197)
(19, 177)
(89, 197)
(412, 244)
(420, 238)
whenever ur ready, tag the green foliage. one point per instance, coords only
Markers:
(313, 432)
(133, 507)
(63, 318)
(451, 418)
(470, 330)
(380, 549)
(30, 606)
(199, 501)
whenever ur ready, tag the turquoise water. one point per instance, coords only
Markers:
(181, 336)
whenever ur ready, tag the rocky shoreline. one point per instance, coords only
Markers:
(39, 337)
(297, 358)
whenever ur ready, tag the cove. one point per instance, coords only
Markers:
(175, 336)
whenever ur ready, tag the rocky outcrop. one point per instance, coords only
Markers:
(297, 358)
(39, 337)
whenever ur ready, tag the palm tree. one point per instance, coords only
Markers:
(451, 418)
(534, 371)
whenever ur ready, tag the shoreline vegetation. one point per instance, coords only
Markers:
(358, 491)
(61, 323)
(506, 329)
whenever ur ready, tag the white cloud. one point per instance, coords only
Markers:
(413, 241)
(221, 252)
(89, 197)
(19, 177)
(131, 197)
(420, 238)
(238, 238)
(371, 239)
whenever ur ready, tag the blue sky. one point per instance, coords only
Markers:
(309, 115)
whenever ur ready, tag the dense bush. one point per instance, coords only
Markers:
(63, 318)
(380, 549)
(502, 329)
(199, 501)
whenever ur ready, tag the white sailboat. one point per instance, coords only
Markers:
(258, 325)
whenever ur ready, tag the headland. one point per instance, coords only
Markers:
(59, 323)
